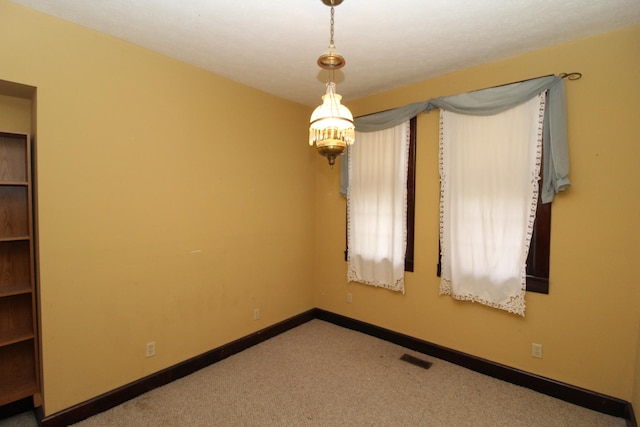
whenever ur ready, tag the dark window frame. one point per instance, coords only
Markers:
(539, 248)
(411, 201)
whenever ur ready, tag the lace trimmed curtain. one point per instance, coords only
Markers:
(489, 172)
(377, 207)
(488, 102)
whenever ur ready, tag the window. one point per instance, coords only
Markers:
(538, 258)
(377, 206)
(411, 199)
(493, 261)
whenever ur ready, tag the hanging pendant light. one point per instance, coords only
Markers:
(332, 127)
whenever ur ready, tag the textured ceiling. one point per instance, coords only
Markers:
(273, 45)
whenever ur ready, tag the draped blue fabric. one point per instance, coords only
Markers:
(486, 102)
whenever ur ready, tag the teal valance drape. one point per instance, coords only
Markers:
(486, 102)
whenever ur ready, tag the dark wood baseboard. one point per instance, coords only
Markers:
(576, 395)
(585, 398)
(630, 417)
(127, 392)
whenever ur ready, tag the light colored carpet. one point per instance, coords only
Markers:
(319, 374)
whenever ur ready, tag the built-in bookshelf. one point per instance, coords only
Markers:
(19, 372)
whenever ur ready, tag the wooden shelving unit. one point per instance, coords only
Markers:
(19, 361)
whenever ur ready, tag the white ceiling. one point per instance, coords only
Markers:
(274, 45)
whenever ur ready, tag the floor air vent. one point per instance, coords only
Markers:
(416, 361)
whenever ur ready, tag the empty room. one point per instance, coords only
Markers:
(170, 205)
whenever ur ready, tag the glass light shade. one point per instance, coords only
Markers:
(332, 127)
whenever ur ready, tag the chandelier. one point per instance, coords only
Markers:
(331, 128)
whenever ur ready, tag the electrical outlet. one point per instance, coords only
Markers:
(349, 297)
(536, 350)
(256, 313)
(151, 349)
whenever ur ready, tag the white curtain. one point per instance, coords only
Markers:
(489, 171)
(377, 207)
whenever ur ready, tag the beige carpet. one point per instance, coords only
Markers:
(320, 374)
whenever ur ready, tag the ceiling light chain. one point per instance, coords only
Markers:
(332, 20)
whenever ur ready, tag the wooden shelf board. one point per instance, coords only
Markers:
(17, 388)
(22, 288)
(8, 339)
(14, 238)
(15, 183)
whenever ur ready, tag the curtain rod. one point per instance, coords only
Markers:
(568, 76)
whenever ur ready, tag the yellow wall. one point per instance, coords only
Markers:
(172, 202)
(15, 114)
(588, 324)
